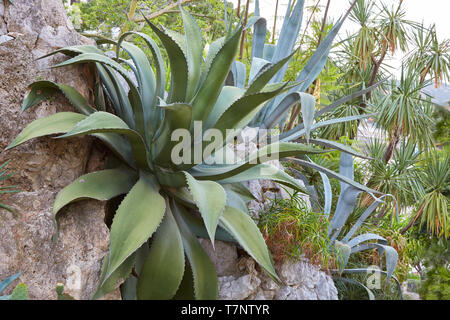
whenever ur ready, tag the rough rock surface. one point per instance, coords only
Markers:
(28, 30)
(241, 279)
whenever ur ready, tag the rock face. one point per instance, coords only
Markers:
(241, 279)
(28, 30)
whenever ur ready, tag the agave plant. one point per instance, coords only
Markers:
(264, 56)
(20, 292)
(167, 203)
(431, 56)
(6, 189)
(347, 244)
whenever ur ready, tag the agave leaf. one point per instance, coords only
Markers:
(211, 87)
(318, 60)
(111, 93)
(99, 97)
(361, 219)
(163, 269)
(197, 226)
(241, 112)
(210, 198)
(288, 35)
(345, 205)
(186, 290)
(328, 194)
(158, 61)
(194, 52)
(269, 51)
(128, 289)
(369, 292)
(266, 73)
(5, 283)
(299, 131)
(241, 190)
(227, 97)
(73, 51)
(60, 122)
(102, 185)
(257, 66)
(214, 49)
(136, 219)
(245, 231)
(347, 99)
(122, 272)
(238, 73)
(266, 172)
(308, 105)
(123, 104)
(356, 241)
(366, 270)
(118, 145)
(235, 200)
(178, 64)
(134, 96)
(203, 271)
(42, 90)
(343, 251)
(273, 151)
(146, 79)
(391, 256)
(259, 35)
(282, 108)
(104, 122)
(346, 169)
(337, 146)
(333, 174)
(176, 116)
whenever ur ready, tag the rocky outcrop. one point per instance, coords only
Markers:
(241, 279)
(28, 30)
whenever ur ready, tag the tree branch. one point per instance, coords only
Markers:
(162, 11)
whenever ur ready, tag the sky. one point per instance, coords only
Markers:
(429, 11)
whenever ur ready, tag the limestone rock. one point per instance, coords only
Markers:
(299, 281)
(44, 166)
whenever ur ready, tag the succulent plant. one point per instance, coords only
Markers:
(347, 244)
(265, 55)
(168, 204)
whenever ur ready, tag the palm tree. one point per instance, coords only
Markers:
(404, 113)
(431, 56)
(379, 34)
(434, 203)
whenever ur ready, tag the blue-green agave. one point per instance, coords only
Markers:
(347, 244)
(265, 56)
(166, 205)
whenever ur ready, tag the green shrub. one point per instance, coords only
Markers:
(292, 231)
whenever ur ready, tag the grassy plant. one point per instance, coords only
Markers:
(293, 231)
(4, 175)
